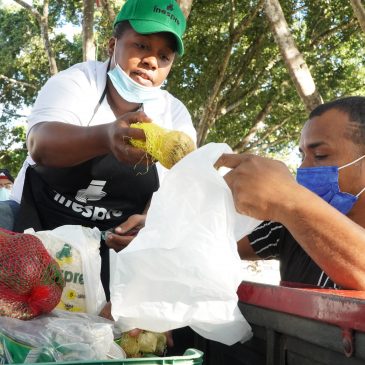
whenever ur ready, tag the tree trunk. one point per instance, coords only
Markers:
(47, 44)
(185, 6)
(109, 10)
(14, 81)
(298, 69)
(239, 147)
(359, 12)
(43, 24)
(88, 45)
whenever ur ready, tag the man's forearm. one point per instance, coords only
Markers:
(334, 242)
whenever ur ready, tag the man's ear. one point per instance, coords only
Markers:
(112, 43)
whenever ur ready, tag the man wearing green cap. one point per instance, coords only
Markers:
(81, 169)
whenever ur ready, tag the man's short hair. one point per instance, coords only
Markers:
(354, 107)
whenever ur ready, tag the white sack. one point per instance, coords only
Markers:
(76, 249)
(183, 268)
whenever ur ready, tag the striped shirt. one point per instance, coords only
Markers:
(271, 240)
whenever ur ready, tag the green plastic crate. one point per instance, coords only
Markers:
(20, 353)
(190, 357)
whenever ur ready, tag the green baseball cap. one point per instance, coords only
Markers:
(154, 16)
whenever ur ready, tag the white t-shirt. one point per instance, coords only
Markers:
(71, 97)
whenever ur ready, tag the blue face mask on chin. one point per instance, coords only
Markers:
(323, 181)
(130, 90)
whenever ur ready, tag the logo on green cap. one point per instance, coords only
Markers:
(167, 12)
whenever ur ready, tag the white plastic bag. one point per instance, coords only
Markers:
(57, 337)
(76, 249)
(183, 268)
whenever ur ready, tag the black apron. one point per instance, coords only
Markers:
(101, 192)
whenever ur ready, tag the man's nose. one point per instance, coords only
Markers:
(306, 162)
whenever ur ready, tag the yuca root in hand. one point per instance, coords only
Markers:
(166, 146)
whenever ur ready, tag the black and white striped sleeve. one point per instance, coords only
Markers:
(265, 239)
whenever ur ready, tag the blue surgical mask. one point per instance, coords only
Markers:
(323, 181)
(130, 90)
(4, 194)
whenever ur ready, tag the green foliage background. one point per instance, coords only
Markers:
(325, 31)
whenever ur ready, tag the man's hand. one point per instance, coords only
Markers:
(120, 134)
(125, 232)
(260, 186)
